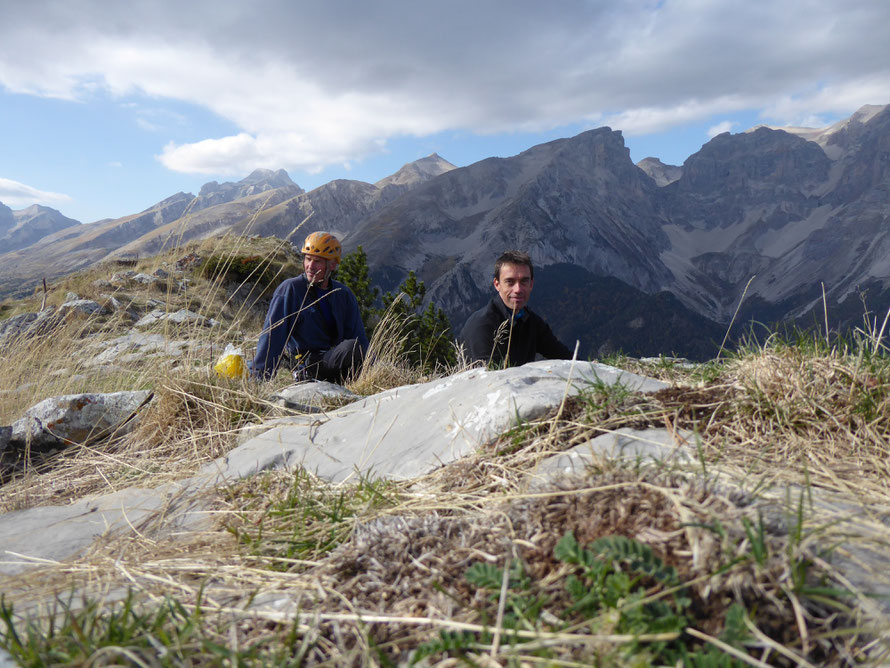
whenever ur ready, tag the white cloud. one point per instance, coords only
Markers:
(317, 83)
(720, 128)
(645, 120)
(17, 195)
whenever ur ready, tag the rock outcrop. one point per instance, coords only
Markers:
(399, 434)
(77, 418)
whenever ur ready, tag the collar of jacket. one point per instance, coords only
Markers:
(507, 313)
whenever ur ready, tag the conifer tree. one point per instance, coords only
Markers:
(428, 337)
(427, 333)
(353, 271)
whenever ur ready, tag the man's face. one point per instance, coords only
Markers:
(317, 269)
(514, 285)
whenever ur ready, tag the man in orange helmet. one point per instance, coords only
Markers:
(315, 319)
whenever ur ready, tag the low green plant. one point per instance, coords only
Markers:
(92, 632)
(310, 519)
(615, 585)
(600, 398)
(522, 606)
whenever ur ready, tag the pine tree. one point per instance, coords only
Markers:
(427, 333)
(353, 271)
(428, 337)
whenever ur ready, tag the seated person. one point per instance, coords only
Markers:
(505, 332)
(314, 319)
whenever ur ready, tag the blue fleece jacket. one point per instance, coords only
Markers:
(294, 315)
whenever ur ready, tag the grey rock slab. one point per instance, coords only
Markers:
(647, 446)
(150, 318)
(122, 276)
(185, 317)
(47, 534)
(312, 396)
(75, 417)
(411, 430)
(251, 431)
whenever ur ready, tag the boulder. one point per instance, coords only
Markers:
(313, 396)
(188, 262)
(122, 276)
(646, 446)
(180, 317)
(84, 306)
(409, 431)
(28, 538)
(29, 324)
(144, 279)
(75, 418)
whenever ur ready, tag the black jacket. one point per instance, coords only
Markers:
(530, 336)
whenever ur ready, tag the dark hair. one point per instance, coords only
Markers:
(514, 257)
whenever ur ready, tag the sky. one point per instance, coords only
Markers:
(108, 107)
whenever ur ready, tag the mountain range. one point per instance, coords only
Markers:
(767, 225)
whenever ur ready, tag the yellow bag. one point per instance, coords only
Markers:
(231, 363)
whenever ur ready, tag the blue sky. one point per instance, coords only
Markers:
(108, 107)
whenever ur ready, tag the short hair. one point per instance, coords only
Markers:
(513, 257)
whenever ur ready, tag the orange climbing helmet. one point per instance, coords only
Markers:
(322, 244)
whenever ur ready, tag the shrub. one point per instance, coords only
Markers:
(238, 269)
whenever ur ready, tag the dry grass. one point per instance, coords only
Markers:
(386, 571)
(194, 416)
(386, 365)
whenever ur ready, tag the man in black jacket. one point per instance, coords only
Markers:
(505, 332)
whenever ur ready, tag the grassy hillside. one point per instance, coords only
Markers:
(619, 564)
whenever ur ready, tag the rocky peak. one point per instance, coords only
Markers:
(173, 199)
(746, 161)
(417, 172)
(659, 172)
(258, 181)
(268, 179)
(864, 164)
(835, 139)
